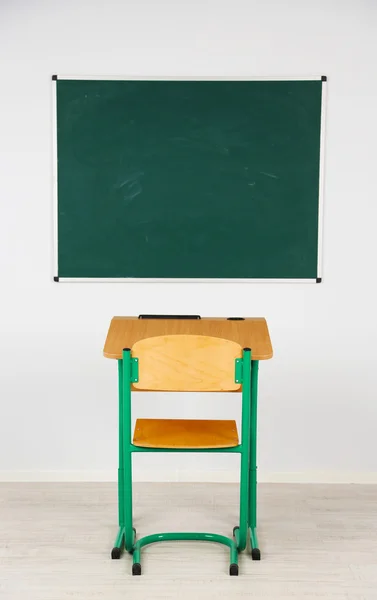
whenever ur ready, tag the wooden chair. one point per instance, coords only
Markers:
(181, 363)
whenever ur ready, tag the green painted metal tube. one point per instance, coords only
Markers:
(120, 447)
(136, 554)
(119, 538)
(179, 536)
(127, 456)
(245, 435)
(253, 537)
(253, 446)
(236, 533)
(234, 449)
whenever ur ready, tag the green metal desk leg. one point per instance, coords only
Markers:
(255, 552)
(120, 447)
(127, 455)
(240, 533)
(119, 542)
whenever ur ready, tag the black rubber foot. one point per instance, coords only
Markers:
(233, 569)
(134, 530)
(234, 529)
(255, 554)
(116, 553)
(136, 569)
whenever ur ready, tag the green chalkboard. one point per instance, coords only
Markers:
(188, 179)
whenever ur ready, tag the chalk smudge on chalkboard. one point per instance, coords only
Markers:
(130, 187)
(134, 189)
(272, 175)
(130, 179)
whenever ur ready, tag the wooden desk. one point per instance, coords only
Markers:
(252, 333)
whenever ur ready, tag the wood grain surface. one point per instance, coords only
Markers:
(252, 333)
(186, 363)
(185, 433)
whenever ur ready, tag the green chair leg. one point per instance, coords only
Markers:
(167, 537)
(117, 551)
(255, 552)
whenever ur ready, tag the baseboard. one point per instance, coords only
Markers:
(161, 475)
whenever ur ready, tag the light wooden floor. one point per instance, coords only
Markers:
(317, 541)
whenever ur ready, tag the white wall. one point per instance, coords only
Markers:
(318, 397)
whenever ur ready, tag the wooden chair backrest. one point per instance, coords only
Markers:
(186, 363)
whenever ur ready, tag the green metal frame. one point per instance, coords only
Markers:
(246, 372)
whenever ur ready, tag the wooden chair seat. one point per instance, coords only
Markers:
(185, 433)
